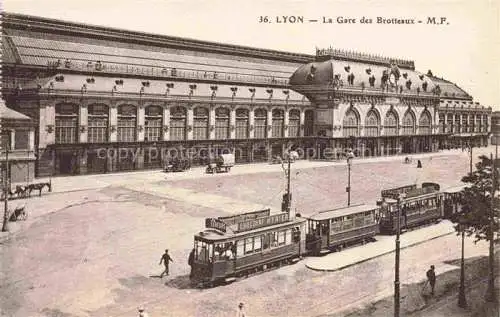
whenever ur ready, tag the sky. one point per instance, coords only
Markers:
(465, 49)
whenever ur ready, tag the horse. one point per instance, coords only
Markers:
(21, 191)
(39, 187)
(18, 214)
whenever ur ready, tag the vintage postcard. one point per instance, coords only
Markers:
(249, 158)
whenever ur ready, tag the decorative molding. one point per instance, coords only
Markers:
(269, 127)
(140, 128)
(302, 127)
(49, 128)
(212, 127)
(165, 128)
(112, 128)
(83, 128)
(251, 127)
(232, 127)
(190, 128)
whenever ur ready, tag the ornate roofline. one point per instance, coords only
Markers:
(338, 54)
(28, 22)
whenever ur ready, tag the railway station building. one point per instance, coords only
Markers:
(106, 100)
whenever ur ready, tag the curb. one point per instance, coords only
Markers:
(377, 256)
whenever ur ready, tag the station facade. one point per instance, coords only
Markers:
(106, 100)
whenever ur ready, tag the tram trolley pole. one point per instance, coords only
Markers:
(396, 266)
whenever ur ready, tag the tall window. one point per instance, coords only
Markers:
(153, 123)
(371, 124)
(178, 120)
(242, 122)
(408, 123)
(308, 123)
(472, 123)
(465, 124)
(450, 127)
(66, 123)
(222, 123)
(351, 124)
(424, 124)
(200, 123)
(479, 123)
(442, 126)
(260, 122)
(457, 125)
(127, 123)
(485, 123)
(98, 119)
(391, 123)
(294, 123)
(278, 123)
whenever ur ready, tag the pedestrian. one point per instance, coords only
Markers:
(190, 262)
(142, 312)
(165, 258)
(419, 164)
(431, 277)
(241, 311)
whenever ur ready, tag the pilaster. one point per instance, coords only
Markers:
(113, 121)
(251, 122)
(302, 121)
(211, 122)
(189, 131)
(232, 123)
(140, 122)
(166, 122)
(83, 122)
(287, 121)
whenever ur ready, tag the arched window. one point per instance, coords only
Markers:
(294, 123)
(242, 123)
(371, 124)
(98, 119)
(66, 123)
(485, 123)
(479, 123)
(391, 123)
(424, 123)
(127, 123)
(278, 123)
(260, 121)
(308, 123)
(153, 123)
(408, 123)
(472, 123)
(200, 123)
(178, 120)
(457, 126)
(222, 123)
(351, 124)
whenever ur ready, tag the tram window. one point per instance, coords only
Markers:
(257, 244)
(281, 238)
(248, 245)
(266, 241)
(288, 236)
(274, 236)
(240, 247)
(324, 227)
(336, 224)
(348, 222)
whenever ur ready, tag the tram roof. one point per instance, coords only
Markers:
(216, 235)
(456, 189)
(340, 212)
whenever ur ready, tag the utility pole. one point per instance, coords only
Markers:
(462, 301)
(287, 197)
(490, 293)
(6, 185)
(396, 266)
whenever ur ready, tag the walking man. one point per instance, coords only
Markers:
(190, 263)
(241, 311)
(165, 258)
(431, 277)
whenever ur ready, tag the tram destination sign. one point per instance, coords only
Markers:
(214, 223)
(263, 222)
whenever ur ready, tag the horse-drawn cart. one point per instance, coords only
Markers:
(223, 162)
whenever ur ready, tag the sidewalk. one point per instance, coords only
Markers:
(384, 245)
(98, 181)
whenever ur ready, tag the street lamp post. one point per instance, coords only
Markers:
(462, 301)
(6, 184)
(396, 266)
(350, 156)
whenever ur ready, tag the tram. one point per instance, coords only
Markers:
(418, 206)
(451, 200)
(230, 247)
(335, 229)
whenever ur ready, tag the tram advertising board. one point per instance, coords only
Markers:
(394, 192)
(263, 222)
(214, 223)
(232, 220)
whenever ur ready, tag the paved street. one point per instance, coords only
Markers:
(95, 252)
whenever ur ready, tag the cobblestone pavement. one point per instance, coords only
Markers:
(95, 252)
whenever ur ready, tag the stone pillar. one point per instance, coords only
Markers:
(140, 123)
(47, 123)
(190, 123)
(211, 123)
(287, 121)
(251, 122)
(12, 134)
(113, 122)
(269, 128)
(166, 122)
(302, 122)
(232, 123)
(83, 123)
(31, 140)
